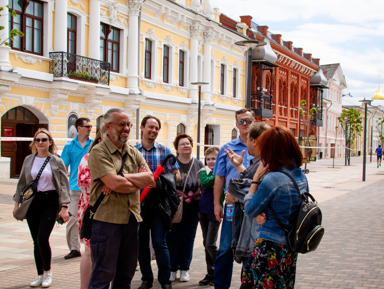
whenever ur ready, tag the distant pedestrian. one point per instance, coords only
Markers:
(379, 153)
(181, 238)
(272, 264)
(224, 171)
(116, 221)
(52, 197)
(208, 223)
(72, 154)
(153, 227)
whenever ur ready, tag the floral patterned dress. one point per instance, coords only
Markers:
(84, 183)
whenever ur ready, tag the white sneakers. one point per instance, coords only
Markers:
(37, 282)
(47, 279)
(173, 276)
(184, 276)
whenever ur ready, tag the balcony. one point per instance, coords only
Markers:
(317, 118)
(261, 104)
(78, 67)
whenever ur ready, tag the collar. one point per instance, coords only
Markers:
(112, 147)
(156, 145)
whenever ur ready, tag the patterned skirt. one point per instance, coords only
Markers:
(271, 265)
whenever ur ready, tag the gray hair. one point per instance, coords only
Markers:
(257, 128)
(108, 118)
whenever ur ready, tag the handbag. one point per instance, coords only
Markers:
(89, 213)
(238, 188)
(179, 213)
(29, 193)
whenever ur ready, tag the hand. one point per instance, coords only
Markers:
(261, 218)
(142, 169)
(235, 159)
(218, 213)
(261, 170)
(229, 199)
(106, 191)
(15, 208)
(64, 214)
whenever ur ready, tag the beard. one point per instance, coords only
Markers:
(117, 136)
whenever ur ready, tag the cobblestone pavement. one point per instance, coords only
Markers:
(351, 254)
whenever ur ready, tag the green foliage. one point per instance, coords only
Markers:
(14, 32)
(84, 76)
(379, 127)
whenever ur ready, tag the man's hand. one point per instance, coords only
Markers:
(229, 199)
(218, 213)
(236, 160)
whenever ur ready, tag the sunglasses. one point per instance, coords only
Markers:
(86, 126)
(41, 139)
(246, 120)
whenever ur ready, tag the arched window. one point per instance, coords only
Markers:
(234, 134)
(71, 33)
(71, 127)
(180, 128)
(110, 45)
(98, 123)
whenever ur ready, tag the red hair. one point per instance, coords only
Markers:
(278, 148)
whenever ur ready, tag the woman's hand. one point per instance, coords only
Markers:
(64, 214)
(261, 219)
(15, 208)
(235, 159)
(261, 170)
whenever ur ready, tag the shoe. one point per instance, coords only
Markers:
(47, 279)
(208, 280)
(173, 276)
(37, 282)
(72, 254)
(145, 285)
(184, 276)
(166, 286)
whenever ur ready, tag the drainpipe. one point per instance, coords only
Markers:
(138, 80)
(326, 131)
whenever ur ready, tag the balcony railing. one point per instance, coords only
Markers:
(79, 67)
(317, 118)
(261, 104)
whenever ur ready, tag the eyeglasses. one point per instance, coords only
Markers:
(86, 126)
(123, 124)
(246, 120)
(41, 139)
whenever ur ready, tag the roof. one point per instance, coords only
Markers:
(330, 69)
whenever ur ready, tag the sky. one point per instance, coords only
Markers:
(349, 32)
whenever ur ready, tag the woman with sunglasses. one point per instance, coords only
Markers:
(50, 201)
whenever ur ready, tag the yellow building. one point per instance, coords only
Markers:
(79, 58)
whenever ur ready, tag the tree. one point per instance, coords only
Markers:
(379, 127)
(351, 123)
(14, 32)
(306, 116)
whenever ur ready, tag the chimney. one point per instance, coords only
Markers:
(263, 29)
(288, 44)
(316, 61)
(308, 56)
(299, 51)
(277, 38)
(247, 20)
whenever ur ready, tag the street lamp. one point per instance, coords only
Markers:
(365, 102)
(249, 44)
(199, 84)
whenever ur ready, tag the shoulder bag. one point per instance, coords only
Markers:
(29, 193)
(179, 213)
(89, 213)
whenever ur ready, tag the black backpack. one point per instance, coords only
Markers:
(306, 232)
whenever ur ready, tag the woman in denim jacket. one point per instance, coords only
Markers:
(274, 265)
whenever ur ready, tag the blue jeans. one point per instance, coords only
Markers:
(224, 257)
(158, 233)
(181, 238)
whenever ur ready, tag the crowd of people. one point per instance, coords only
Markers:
(109, 171)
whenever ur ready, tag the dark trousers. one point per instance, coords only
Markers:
(158, 234)
(181, 238)
(209, 227)
(114, 254)
(41, 218)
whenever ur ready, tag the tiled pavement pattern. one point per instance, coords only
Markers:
(351, 254)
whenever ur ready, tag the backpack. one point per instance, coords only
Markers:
(306, 232)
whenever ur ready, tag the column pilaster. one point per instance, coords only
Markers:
(60, 26)
(94, 29)
(5, 64)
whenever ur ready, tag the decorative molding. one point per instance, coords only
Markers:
(134, 7)
(78, 2)
(194, 30)
(27, 58)
(113, 76)
(182, 89)
(4, 89)
(167, 87)
(149, 83)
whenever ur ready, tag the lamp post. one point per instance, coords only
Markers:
(249, 44)
(365, 102)
(199, 84)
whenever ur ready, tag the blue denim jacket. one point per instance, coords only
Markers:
(277, 190)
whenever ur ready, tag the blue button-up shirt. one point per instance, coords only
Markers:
(156, 155)
(223, 165)
(72, 154)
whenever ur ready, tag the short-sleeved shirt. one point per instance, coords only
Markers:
(156, 155)
(223, 165)
(72, 154)
(379, 151)
(104, 159)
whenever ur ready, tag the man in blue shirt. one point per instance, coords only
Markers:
(224, 171)
(379, 153)
(72, 154)
(154, 154)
